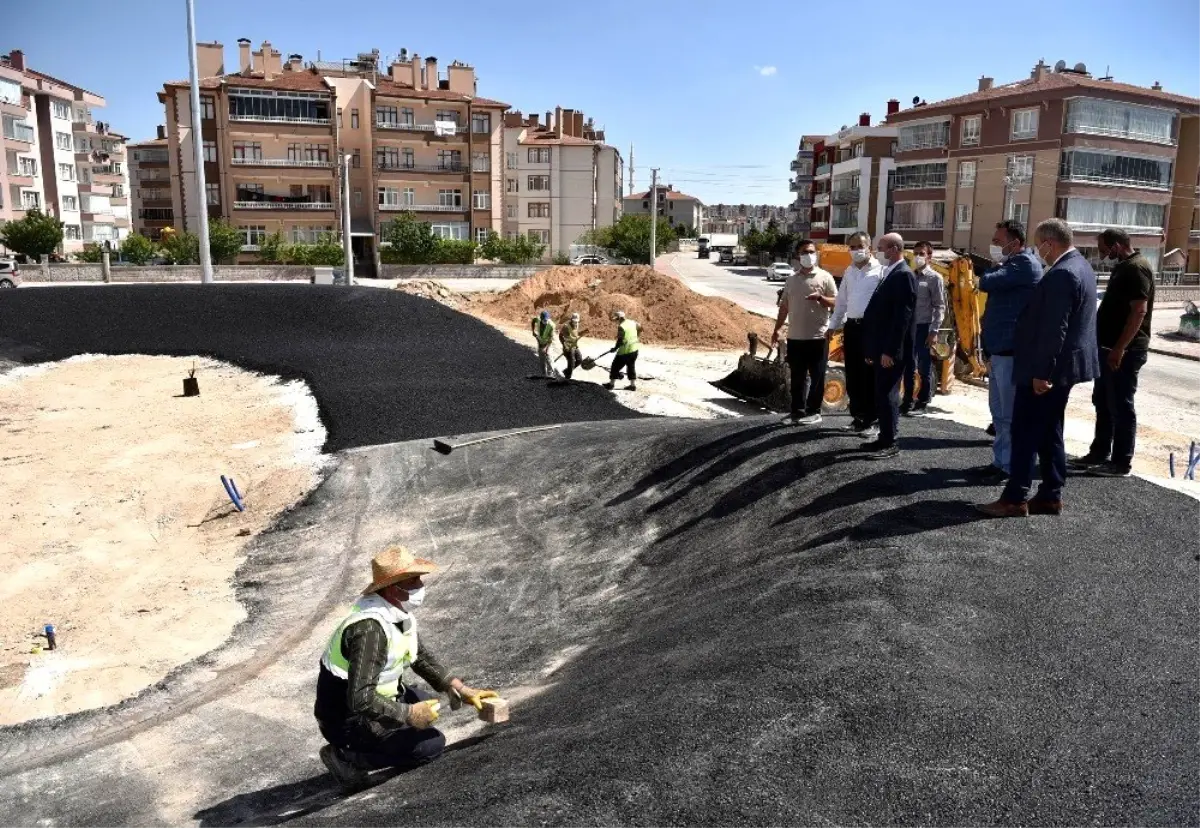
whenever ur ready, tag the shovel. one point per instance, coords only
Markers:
(589, 363)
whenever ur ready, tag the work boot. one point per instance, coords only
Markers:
(1003, 509)
(1044, 507)
(809, 420)
(919, 410)
(1087, 461)
(1109, 470)
(344, 771)
(991, 429)
(905, 408)
(610, 385)
(631, 387)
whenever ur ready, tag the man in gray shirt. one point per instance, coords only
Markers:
(806, 305)
(927, 320)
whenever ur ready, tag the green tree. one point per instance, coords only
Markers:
(492, 247)
(34, 236)
(270, 249)
(92, 253)
(137, 249)
(630, 237)
(326, 252)
(180, 248)
(412, 241)
(754, 241)
(224, 241)
(455, 251)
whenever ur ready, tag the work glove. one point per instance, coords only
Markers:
(422, 714)
(475, 697)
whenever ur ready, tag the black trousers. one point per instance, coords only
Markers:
(377, 748)
(860, 377)
(1116, 419)
(887, 400)
(626, 362)
(807, 359)
(573, 358)
(918, 360)
(1037, 436)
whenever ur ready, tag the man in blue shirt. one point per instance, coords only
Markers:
(1008, 288)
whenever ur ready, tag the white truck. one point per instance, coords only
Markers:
(718, 242)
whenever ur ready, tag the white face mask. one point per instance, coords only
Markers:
(883, 259)
(919, 261)
(859, 256)
(808, 260)
(416, 597)
(996, 252)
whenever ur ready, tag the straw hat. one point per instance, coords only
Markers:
(396, 564)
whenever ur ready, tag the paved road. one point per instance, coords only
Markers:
(744, 285)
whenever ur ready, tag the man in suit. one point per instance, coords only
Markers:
(1054, 348)
(888, 333)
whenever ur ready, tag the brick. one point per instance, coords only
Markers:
(494, 711)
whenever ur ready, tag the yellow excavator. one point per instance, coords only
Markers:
(958, 352)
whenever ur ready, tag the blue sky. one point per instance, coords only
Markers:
(713, 94)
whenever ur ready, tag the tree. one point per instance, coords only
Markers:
(180, 248)
(412, 241)
(519, 250)
(492, 247)
(91, 253)
(270, 249)
(630, 237)
(34, 236)
(224, 240)
(137, 249)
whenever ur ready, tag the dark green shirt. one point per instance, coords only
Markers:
(1131, 280)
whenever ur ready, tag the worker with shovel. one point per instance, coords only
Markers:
(568, 336)
(369, 716)
(626, 350)
(543, 331)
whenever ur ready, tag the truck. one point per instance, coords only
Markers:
(717, 242)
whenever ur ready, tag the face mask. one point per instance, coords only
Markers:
(416, 597)
(919, 261)
(883, 259)
(1041, 258)
(859, 256)
(996, 252)
(807, 260)
(1110, 259)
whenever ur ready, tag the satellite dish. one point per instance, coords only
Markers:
(1081, 68)
(1061, 65)
(916, 99)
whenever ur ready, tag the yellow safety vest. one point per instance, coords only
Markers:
(546, 332)
(401, 646)
(569, 336)
(629, 344)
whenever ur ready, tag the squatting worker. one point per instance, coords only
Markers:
(366, 712)
(1123, 334)
(858, 286)
(927, 320)
(628, 333)
(888, 329)
(543, 331)
(1008, 287)
(568, 337)
(805, 303)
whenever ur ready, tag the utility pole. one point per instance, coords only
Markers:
(206, 271)
(346, 245)
(653, 214)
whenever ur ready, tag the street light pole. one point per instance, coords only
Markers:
(653, 215)
(349, 264)
(206, 271)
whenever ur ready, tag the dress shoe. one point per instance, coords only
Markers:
(1044, 507)
(1003, 509)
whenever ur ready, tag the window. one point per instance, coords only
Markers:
(387, 115)
(1110, 168)
(410, 196)
(450, 198)
(449, 160)
(539, 209)
(210, 152)
(30, 201)
(920, 176)
(481, 122)
(208, 109)
(252, 151)
(356, 159)
(1095, 213)
(60, 110)
(339, 117)
(214, 192)
(511, 160)
(407, 117)
(539, 155)
(1019, 212)
(62, 140)
(457, 230)
(357, 196)
(316, 152)
(1024, 124)
(387, 158)
(972, 126)
(71, 231)
(923, 136)
(481, 200)
(511, 185)
(1092, 116)
(540, 236)
(858, 150)
(510, 210)
(116, 168)
(481, 162)
(962, 216)
(66, 172)
(389, 197)
(919, 215)
(538, 182)
(118, 190)
(306, 234)
(70, 204)
(966, 173)
(481, 235)
(253, 236)
(294, 107)
(24, 166)
(1019, 169)
(354, 119)
(844, 215)
(447, 115)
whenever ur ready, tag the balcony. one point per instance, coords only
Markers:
(412, 126)
(824, 171)
(803, 167)
(107, 175)
(280, 119)
(281, 162)
(922, 225)
(9, 107)
(1113, 181)
(819, 225)
(425, 208)
(422, 168)
(21, 133)
(22, 176)
(283, 205)
(846, 195)
(821, 200)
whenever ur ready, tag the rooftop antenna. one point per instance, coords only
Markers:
(631, 177)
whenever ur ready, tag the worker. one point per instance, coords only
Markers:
(927, 319)
(543, 331)
(888, 328)
(568, 337)
(858, 286)
(368, 715)
(805, 303)
(628, 333)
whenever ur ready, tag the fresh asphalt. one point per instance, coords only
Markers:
(699, 622)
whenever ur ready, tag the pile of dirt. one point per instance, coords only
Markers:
(670, 313)
(431, 289)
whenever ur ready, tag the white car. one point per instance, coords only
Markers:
(10, 274)
(779, 272)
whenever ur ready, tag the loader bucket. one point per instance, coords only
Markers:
(767, 382)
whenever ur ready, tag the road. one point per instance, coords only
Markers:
(744, 285)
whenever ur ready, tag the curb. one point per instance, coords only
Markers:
(1177, 354)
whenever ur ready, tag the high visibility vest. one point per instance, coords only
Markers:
(401, 646)
(629, 344)
(569, 336)
(546, 332)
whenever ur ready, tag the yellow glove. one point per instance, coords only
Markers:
(475, 697)
(422, 714)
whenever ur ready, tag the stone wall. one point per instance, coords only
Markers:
(67, 273)
(393, 271)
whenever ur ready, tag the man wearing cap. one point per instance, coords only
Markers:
(626, 349)
(568, 336)
(369, 716)
(543, 331)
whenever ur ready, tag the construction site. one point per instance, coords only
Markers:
(695, 614)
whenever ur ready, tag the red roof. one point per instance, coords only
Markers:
(153, 142)
(549, 136)
(389, 87)
(33, 74)
(671, 195)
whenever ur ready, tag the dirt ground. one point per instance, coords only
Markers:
(117, 528)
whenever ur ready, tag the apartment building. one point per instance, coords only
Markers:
(675, 206)
(560, 178)
(274, 135)
(59, 159)
(150, 186)
(801, 183)
(854, 178)
(742, 218)
(1093, 151)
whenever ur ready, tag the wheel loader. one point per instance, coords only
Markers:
(958, 353)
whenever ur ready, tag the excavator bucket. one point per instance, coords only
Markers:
(766, 381)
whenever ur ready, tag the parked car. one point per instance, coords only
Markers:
(589, 260)
(779, 272)
(10, 274)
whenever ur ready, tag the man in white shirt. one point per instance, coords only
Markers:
(858, 286)
(808, 297)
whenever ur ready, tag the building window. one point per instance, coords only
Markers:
(389, 197)
(1024, 124)
(539, 209)
(1097, 214)
(409, 196)
(252, 151)
(1019, 170)
(858, 151)
(210, 152)
(450, 160)
(450, 198)
(1101, 167)
(386, 115)
(356, 159)
(357, 196)
(481, 162)
(1019, 212)
(1091, 116)
(70, 204)
(354, 119)
(457, 230)
(538, 182)
(962, 216)
(447, 115)
(539, 155)
(481, 122)
(921, 176)
(971, 130)
(481, 235)
(923, 136)
(208, 109)
(511, 185)
(71, 232)
(407, 116)
(510, 210)
(61, 110)
(66, 172)
(481, 200)
(253, 236)
(510, 160)
(62, 140)
(919, 215)
(541, 236)
(214, 193)
(966, 173)
(339, 118)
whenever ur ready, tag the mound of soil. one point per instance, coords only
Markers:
(670, 313)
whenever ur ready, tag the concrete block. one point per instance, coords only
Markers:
(494, 711)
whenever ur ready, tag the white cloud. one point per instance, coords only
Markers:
(765, 71)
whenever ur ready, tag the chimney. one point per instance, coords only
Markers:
(461, 77)
(549, 120)
(244, 60)
(431, 73)
(568, 121)
(578, 133)
(416, 71)
(17, 59)
(533, 120)
(162, 132)
(1157, 87)
(210, 59)
(985, 83)
(295, 62)
(558, 124)
(893, 106)
(864, 119)
(1040, 71)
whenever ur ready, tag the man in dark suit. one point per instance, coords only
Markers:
(1054, 348)
(888, 333)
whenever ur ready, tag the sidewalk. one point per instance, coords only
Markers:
(1164, 339)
